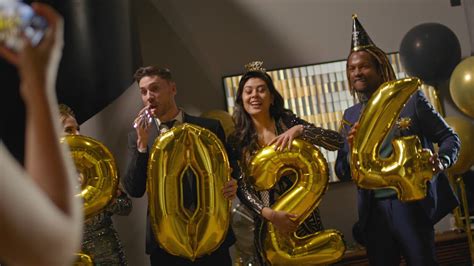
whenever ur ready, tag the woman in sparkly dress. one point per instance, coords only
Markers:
(100, 239)
(261, 120)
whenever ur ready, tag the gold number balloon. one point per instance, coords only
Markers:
(97, 172)
(311, 170)
(407, 169)
(461, 86)
(224, 118)
(465, 130)
(178, 230)
(83, 260)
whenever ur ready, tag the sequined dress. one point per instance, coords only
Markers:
(256, 201)
(101, 240)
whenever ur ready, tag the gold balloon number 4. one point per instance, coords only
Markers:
(311, 170)
(180, 231)
(407, 169)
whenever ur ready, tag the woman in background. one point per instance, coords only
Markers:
(101, 241)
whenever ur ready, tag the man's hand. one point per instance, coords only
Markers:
(142, 126)
(352, 133)
(230, 189)
(436, 164)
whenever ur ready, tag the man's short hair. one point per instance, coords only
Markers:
(147, 71)
(65, 110)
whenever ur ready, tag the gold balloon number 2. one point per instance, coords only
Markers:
(407, 169)
(180, 231)
(311, 171)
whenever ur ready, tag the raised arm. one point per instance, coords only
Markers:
(437, 130)
(326, 138)
(41, 220)
(134, 180)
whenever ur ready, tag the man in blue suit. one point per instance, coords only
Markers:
(388, 227)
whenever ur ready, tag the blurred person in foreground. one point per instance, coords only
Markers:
(41, 220)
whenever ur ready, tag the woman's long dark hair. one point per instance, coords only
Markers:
(244, 138)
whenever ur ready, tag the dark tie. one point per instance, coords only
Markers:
(189, 190)
(189, 183)
(168, 124)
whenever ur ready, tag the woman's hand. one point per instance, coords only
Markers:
(284, 140)
(230, 189)
(283, 221)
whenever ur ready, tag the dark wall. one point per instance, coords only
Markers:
(12, 112)
(100, 54)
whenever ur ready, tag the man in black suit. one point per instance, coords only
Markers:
(158, 90)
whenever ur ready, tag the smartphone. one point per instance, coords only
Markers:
(18, 19)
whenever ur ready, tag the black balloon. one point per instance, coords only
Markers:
(430, 51)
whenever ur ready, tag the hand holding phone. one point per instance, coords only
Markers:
(38, 65)
(19, 21)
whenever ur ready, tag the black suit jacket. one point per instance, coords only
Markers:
(135, 178)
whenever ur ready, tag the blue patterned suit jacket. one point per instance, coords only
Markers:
(430, 128)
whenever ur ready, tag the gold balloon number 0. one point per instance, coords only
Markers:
(407, 169)
(83, 260)
(311, 171)
(180, 231)
(97, 172)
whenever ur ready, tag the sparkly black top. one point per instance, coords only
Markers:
(101, 241)
(256, 201)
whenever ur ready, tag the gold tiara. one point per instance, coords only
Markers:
(255, 66)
